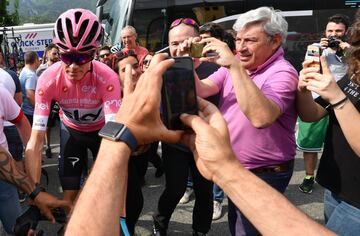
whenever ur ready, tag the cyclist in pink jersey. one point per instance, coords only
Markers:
(87, 91)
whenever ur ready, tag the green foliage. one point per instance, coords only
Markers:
(6, 18)
(47, 11)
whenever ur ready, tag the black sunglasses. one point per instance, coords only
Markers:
(77, 58)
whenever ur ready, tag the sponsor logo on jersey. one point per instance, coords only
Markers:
(111, 103)
(110, 88)
(42, 106)
(75, 160)
(88, 89)
(89, 101)
(40, 92)
(84, 116)
(101, 79)
(39, 122)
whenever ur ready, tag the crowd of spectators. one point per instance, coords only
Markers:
(253, 98)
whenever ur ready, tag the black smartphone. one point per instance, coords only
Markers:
(178, 93)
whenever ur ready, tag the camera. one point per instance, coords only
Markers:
(333, 42)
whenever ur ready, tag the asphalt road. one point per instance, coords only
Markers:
(311, 204)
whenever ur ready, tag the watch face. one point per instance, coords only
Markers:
(111, 130)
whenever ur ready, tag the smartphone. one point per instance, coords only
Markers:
(178, 93)
(196, 50)
(313, 52)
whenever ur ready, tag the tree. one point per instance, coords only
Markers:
(7, 19)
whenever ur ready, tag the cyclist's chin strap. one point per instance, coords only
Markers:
(123, 227)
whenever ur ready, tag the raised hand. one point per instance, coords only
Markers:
(323, 84)
(140, 108)
(210, 143)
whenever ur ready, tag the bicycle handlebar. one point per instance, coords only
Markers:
(31, 217)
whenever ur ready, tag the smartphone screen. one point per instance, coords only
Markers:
(178, 93)
(313, 52)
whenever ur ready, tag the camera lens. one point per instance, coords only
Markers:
(333, 42)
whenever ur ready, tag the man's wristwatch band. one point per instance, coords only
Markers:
(36, 192)
(118, 132)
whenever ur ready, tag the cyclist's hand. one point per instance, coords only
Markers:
(45, 202)
(210, 143)
(140, 107)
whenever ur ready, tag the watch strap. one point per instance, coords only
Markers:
(128, 138)
(36, 192)
(115, 131)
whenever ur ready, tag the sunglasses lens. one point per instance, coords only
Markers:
(83, 58)
(186, 21)
(66, 58)
(176, 22)
(77, 58)
(189, 21)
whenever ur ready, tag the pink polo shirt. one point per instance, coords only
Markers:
(140, 52)
(277, 79)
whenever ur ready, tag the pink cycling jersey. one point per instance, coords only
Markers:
(85, 105)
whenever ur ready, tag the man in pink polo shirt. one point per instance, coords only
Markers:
(257, 99)
(128, 38)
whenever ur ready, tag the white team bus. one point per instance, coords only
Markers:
(152, 18)
(29, 37)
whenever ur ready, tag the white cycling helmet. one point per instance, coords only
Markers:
(116, 48)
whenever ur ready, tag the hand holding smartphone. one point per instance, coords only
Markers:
(196, 50)
(313, 52)
(178, 93)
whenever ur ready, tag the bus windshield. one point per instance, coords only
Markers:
(152, 18)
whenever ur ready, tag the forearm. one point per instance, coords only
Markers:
(308, 109)
(18, 98)
(10, 173)
(24, 129)
(31, 98)
(104, 193)
(349, 118)
(33, 156)
(205, 88)
(261, 111)
(267, 209)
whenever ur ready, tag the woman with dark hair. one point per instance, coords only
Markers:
(137, 165)
(339, 166)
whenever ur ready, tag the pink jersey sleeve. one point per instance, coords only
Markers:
(43, 95)
(110, 94)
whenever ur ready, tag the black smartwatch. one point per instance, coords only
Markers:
(118, 132)
(36, 192)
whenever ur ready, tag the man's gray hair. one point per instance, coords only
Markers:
(129, 27)
(272, 21)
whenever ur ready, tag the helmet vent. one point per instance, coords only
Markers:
(87, 49)
(73, 40)
(78, 14)
(99, 38)
(92, 33)
(82, 30)
(60, 31)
